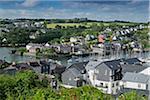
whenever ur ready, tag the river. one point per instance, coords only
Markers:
(6, 55)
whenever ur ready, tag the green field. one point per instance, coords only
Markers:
(86, 24)
(53, 25)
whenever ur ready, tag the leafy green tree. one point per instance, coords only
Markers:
(132, 96)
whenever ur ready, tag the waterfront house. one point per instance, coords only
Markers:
(102, 48)
(30, 45)
(79, 49)
(105, 75)
(63, 48)
(32, 48)
(75, 75)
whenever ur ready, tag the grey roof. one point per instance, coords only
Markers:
(132, 61)
(10, 68)
(113, 64)
(136, 77)
(75, 72)
(92, 64)
(132, 68)
(79, 66)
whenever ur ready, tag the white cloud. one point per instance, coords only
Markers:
(30, 3)
(100, 14)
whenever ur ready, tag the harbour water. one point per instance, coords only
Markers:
(5, 54)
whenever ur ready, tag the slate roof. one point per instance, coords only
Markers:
(74, 71)
(58, 68)
(92, 64)
(132, 68)
(136, 77)
(132, 61)
(113, 64)
(79, 66)
(131, 64)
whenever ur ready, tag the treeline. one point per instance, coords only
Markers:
(74, 20)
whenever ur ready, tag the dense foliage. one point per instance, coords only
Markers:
(26, 85)
(132, 96)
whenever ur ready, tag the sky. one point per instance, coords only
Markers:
(102, 10)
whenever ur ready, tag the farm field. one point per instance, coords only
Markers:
(86, 24)
(53, 25)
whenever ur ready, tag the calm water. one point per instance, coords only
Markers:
(5, 54)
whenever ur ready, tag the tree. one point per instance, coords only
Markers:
(58, 27)
(132, 96)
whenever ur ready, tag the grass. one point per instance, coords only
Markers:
(88, 24)
(52, 25)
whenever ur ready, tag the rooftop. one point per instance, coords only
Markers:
(136, 77)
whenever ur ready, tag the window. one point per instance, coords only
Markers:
(106, 85)
(117, 83)
(139, 85)
(88, 76)
(101, 84)
(112, 84)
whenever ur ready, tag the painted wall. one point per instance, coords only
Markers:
(134, 85)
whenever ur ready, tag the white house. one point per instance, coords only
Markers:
(31, 47)
(102, 75)
(135, 81)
